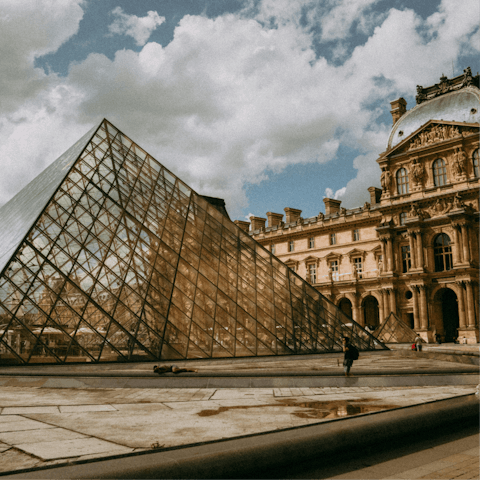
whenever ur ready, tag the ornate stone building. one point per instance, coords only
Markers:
(413, 249)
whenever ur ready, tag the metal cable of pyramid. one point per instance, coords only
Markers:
(107, 256)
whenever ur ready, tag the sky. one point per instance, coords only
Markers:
(266, 103)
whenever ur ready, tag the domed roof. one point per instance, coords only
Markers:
(460, 106)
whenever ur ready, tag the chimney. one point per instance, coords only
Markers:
(257, 223)
(292, 215)
(245, 226)
(331, 206)
(274, 219)
(375, 194)
(399, 107)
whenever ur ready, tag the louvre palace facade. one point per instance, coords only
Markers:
(107, 256)
(413, 248)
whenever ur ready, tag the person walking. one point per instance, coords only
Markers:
(418, 343)
(350, 354)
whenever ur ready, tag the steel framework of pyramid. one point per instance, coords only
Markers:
(393, 330)
(107, 256)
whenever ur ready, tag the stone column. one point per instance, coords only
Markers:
(420, 261)
(470, 304)
(423, 307)
(466, 253)
(412, 249)
(457, 250)
(462, 320)
(384, 255)
(416, 316)
(389, 253)
(385, 305)
(355, 310)
(393, 302)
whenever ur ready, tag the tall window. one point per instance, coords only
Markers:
(312, 271)
(402, 181)
(439, 172)
(333, 239)
(334, 269)
(442, 250)
(291, 246)
(356, 235)
(403, 218)
(311, 242)
(272, 248)
(476, 171)
(406, 259)
(358, 266)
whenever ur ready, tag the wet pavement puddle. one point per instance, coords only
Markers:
(313, 409)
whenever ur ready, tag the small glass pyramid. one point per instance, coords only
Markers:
(107, 256)
(393, 330)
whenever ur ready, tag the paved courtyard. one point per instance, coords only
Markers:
(47, 420)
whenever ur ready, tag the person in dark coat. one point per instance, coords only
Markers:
(348, 355)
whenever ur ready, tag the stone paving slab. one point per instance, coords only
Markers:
(4, 447)
(38, 436)
(86, 408)
(72, 448)
(27, 424)
(27, 410)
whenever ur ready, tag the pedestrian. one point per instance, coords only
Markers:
(418, 343)
(172, 369)
(350, 354)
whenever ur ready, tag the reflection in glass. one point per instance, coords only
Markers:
(127, 263)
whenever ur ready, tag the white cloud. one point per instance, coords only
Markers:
(338, 194)
(30, 29)
(229, 99)
(344, 14)
(139, 28)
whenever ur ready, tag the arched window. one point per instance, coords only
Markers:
(475, 163)
(439, 172)
(402, 181)
(443, 253)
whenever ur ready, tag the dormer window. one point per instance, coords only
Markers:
(402, 181)
(439, 172)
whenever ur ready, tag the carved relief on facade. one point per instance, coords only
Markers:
(386, 179)
(440, 207)
(434, 134)
(446, 85)
(415, 212)
(458, 161)
(418, 172)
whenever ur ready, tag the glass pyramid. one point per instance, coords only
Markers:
(393, 330)
(107, 256)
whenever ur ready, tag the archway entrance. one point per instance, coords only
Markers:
(449, 314)
(345, 306)
(370, 311)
